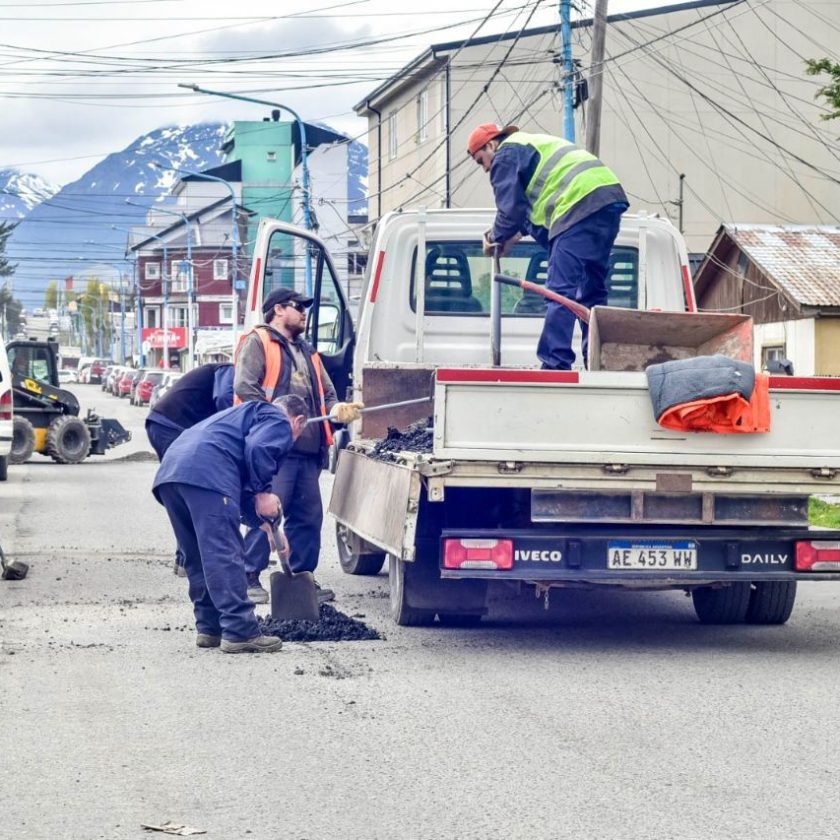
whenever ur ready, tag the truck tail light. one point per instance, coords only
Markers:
(478, 554)
(6, 406)
(818, 556)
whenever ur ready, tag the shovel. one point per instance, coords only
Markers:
(372, 408)
(573, 306)
(293, 595)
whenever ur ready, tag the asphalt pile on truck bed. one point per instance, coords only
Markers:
(333, 626)
(416, 438)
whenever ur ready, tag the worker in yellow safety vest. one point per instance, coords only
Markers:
(570, 203)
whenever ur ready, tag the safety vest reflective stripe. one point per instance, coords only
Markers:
(322, 402)
(565, 175)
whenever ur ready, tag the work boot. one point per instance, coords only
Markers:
(256, 591)
(179, 569)
(207, 640)
(259, 644)
(324, 594)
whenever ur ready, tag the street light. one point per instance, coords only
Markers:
(164, 286)
(234, 245)
(304, 165)
(190, 287)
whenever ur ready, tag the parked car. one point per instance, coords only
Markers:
(84, 374)
(143, 391)
(132, 395)
(67, 375)
(163, 386)
(126, 381)
(104, 378)
(112, 382)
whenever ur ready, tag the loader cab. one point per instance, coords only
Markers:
(36, 360)
(286, 256)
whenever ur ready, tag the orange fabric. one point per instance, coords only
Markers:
(273, 361)
(726, 414)
(316, 361)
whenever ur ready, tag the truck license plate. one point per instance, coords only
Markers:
(652, 555)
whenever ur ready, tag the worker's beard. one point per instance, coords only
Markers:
(296, 329)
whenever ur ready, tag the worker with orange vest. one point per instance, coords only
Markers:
(273, 360)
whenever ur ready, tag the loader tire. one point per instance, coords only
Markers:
(68, 440)
(771, 602)
(353, 563)
(23, 441)
(727, 605)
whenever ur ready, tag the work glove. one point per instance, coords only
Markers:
(346, 412)
(488, 246)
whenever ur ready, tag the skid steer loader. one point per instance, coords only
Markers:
(46, 417)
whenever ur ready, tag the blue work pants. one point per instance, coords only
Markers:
(296, 483)
(578, 267)
(206, 525)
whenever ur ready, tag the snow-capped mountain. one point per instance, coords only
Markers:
(20, 192)
(80, 229)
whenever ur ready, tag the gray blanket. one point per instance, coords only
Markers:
(687, 380)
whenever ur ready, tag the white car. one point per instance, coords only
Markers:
(6, 425)
(66, 375)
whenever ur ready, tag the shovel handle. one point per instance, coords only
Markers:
(275, 534)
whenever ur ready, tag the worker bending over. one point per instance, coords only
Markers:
(274, 359)
(197, 395)
(570, 203)
(214, 472)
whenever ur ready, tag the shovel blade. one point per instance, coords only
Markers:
(294, 597)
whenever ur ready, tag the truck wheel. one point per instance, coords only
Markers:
(727, 605)
(68, 440)
(23, 441)
(353, 563)
(771, 602)
(4, 467)
(400, 576)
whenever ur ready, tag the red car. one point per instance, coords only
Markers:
(97, 368)
(143, 391)
(126, 380)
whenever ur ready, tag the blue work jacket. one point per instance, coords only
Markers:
(236, 452)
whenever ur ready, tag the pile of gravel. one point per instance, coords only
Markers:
(333, 626)
(416, 438)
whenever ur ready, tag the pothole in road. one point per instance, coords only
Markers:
(333, 626)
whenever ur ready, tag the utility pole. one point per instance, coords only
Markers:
(596, 78)
(568, 71)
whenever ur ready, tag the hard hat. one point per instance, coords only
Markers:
(486, 132)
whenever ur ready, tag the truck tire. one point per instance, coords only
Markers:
(23, 441)
(68, 440)
(400, 576)
(771, 602)
(727, 605)
(353, 563)
(460, 619)
(4, 467)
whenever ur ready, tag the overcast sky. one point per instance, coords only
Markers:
(82, 79)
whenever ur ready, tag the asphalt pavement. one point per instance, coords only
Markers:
(608, 716)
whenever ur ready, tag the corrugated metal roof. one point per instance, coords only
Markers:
(803, 259)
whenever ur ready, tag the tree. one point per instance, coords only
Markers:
(831, 91)
(51, 295)
(11, 309)
(94, 306)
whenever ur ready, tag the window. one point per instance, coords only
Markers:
(220, 269)
(152, 271)
(226, 313)
(423, 116)
(356, 262)
(458, 279)
(772, 353)
(177, 316)
(179, 276)
(150, 318)
(392, 135)
(271, 157)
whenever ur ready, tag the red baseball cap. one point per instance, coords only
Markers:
(486, 132)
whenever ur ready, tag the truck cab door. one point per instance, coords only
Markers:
(287, 256)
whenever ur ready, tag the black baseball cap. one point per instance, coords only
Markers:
(283, 296)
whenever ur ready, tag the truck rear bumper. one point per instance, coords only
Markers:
(650, 557)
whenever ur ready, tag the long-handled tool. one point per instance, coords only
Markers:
(372, 408)
(573, 306)
(294, 595)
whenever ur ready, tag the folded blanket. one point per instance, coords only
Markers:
(711, 394)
